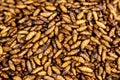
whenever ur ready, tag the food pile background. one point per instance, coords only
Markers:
(59, 39)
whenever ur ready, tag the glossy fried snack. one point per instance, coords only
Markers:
(59, 39)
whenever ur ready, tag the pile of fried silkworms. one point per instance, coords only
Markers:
(59, 39)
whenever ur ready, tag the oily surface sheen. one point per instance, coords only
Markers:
(59, 39)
